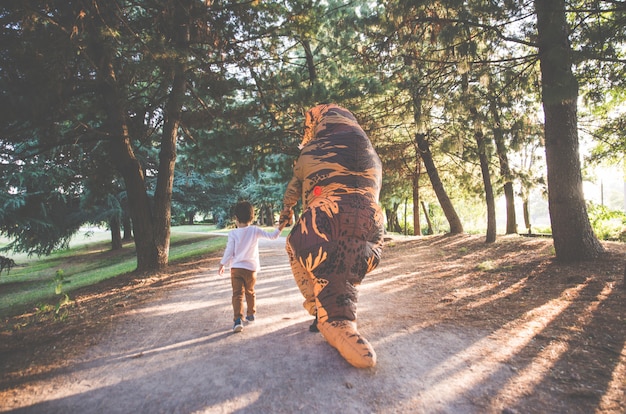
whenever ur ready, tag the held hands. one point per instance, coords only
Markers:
(286, 218)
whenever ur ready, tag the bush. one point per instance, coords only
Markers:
(607, 224)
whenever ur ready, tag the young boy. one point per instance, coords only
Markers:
(242, 254)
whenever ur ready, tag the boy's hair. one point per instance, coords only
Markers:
(244, 212)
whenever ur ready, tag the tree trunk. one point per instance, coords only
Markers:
(489, 198)
(270, 215)
(260, 218)
(151, 228)
(310, 63)
(393, 224)
(128, 228)
(138, 200)
(189, 217)
(123, 155)
(417, 228)
(448, 209)
(180, 31)
(571, 231)
(116, 233)
(526, 210)
(167, 162)
(430, 223)
(389, 215)
(511, 220)
(423, 147)
(505, 169)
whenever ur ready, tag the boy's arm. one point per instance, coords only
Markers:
(228, 253)
(264, 234)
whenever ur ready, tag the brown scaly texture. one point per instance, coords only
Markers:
(339, 237)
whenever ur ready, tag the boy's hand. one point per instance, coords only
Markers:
(286, 218)
(221, 270)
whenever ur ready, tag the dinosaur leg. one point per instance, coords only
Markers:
(326, 267)
(336, 312)
(304, 279)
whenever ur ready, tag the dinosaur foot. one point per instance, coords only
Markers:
(344, 336)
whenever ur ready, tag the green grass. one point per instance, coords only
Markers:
(87, 261)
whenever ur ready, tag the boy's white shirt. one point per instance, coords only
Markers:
(242, 249)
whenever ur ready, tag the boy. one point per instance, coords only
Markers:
(242, 254)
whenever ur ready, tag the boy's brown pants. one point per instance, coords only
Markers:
(243, 281)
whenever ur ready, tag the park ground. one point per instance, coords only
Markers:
(459, 326)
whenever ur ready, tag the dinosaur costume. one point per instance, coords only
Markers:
(339, 237)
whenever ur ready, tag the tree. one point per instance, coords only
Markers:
(100, 47)
(399, 161)
(489, 197)
(133, 76)
(408, 58)
(572, 233)
(456, 227)
(505, 168)
(41, 212)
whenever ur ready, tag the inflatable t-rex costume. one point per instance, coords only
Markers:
(339, 237)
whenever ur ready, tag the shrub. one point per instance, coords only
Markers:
(607, 224)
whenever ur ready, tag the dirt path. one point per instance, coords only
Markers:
(176, 354)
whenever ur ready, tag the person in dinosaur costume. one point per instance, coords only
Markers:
(339, 236)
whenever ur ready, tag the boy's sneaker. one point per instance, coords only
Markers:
(238, 327)
(250, 318)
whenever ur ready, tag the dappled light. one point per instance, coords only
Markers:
(522, 334)
(615, 389)
(540, 319)
(544, 361)
(475, 364)
(239, 402)
(166, 309)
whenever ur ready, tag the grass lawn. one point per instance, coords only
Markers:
(40, 281)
